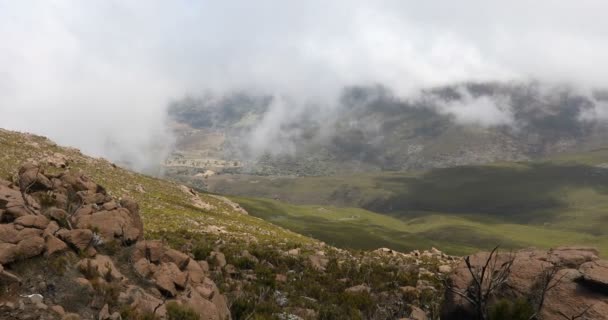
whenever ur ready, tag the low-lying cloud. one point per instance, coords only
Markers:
(98, 75)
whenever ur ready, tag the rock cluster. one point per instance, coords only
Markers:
(577, 281)
(69, 215)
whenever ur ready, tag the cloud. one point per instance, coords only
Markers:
(99, 74)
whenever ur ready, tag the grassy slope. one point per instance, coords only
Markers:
(164, 206)
(563, 200)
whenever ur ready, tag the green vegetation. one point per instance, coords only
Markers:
(558, 201)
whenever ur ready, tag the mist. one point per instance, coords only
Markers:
(99, 75)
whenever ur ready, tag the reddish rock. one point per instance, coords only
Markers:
(77, 238)
(32, 221)
(54, 245)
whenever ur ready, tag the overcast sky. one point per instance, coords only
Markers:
(98, 74)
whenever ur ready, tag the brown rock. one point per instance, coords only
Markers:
(358, 289)
(168, 278)
(179, 258)
(101, 266)
(110, 224)
(417, 313)
(596, 272)
(143, 267)
(78, 182)
(218, 259)
(8, 253)
(31, 178)
(29, 247)
(57, 309)
(572, 257)
(51, 229)
(318, 262)
(280, 277)
(196, 274)
(152, 250)
(56, 214)
(54, 245)
(77, 238)
(32, 221)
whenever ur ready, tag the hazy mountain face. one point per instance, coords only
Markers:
(370, 128)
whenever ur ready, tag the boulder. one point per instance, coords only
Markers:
(29, 247)
(100, 266)
(179, 258)
(572, 257)
(417, 313)
(8, 253)
(318, 262)
(596, 273)
(79, 239)
(168, 278)
(358, 289)
(218, 259)
(78, 182)
(31, 178)
(32, 221)
(111, 225)
(152, 250)
(569, 294)
(54, 245)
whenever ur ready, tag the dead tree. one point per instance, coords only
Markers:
(547, 281)
(485, 281)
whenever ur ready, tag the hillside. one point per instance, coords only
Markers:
(557, 200)
(371, 129)
(262, 270)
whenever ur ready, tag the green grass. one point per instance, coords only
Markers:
(362, 229)
(557, 201)
(164, 207)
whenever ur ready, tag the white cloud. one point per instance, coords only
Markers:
(88, 72)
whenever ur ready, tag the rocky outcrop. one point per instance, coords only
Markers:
(68, 217)
(577, 280)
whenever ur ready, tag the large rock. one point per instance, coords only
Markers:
(79, 239)
(30, 247)
(54, 245)
(8, 253)
(79, 182)
(111, 225)
(31, 178)
(529, 268)
(100, 266)
(572, 257)
(32, 221)
(596, 273)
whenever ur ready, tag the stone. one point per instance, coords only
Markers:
(318, 262)
(595, 272)
(104, 314)
(218, 259)
(418, 314)
(54, 245)
(152, 250)
(100, 266)
(31, 178)
(111, 225)
(358, 289)
(57, 309)
(80, 239)
(445, 269)
(29, 248)
(179, 258)
(32, 221)
(572, 257)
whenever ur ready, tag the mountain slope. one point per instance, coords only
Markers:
(559, 200)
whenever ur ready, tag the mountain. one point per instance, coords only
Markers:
(83, 238)
(371, 129)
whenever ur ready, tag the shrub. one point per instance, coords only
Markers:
(511, 310)
(176, 311)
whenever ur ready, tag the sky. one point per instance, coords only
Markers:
(98, 75)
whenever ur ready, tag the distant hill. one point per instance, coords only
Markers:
(371, 129)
